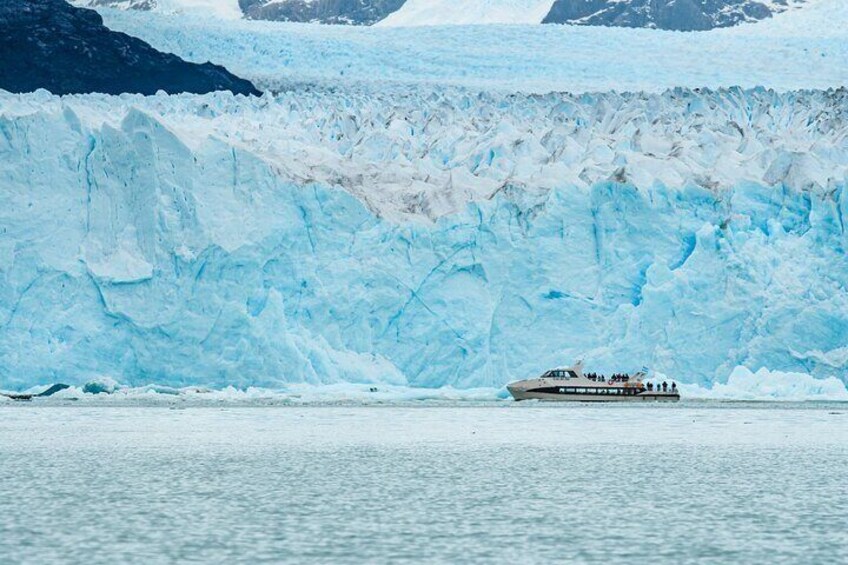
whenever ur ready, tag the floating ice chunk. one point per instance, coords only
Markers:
(103, 385)
(742, 385)
(110, 393)
(771, 385)
(390, 393)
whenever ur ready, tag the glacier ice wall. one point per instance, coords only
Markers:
(139, 239)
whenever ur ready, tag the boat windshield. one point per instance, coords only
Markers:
(561, 374)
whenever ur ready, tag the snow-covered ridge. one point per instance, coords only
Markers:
(409, 153)
(476, 12)
(348, 12)
(223, 9)
(217, 240)
(683, 15)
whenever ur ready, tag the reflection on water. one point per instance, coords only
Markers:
(449, 483)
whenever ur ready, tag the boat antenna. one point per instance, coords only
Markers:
(578, 368)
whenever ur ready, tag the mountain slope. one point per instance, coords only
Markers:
(225, 9)
(351, 12)
(681, 15)
(68, 50)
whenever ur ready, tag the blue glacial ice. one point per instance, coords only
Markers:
(426, 239)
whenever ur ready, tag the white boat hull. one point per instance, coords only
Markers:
(589, 397)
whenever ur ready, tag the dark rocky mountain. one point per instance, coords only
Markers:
(682, 15)
(351, 12)
(53, 45)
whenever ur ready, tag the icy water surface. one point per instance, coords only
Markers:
(505, 483)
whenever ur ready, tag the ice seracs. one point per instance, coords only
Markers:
(408, 155)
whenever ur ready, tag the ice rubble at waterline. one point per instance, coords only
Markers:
(742, 385)
(420, 240)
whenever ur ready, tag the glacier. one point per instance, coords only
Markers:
(420, 237)
(805, 49)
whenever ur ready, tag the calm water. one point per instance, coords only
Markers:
(510, 483)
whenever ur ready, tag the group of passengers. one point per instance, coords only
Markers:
(623, 378)
(615, 378)
(662, 387)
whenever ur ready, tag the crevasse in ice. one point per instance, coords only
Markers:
(430, 239)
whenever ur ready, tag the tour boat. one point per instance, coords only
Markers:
(571, 384)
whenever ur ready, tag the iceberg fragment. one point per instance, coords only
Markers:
(103, 385)
(743, 384)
